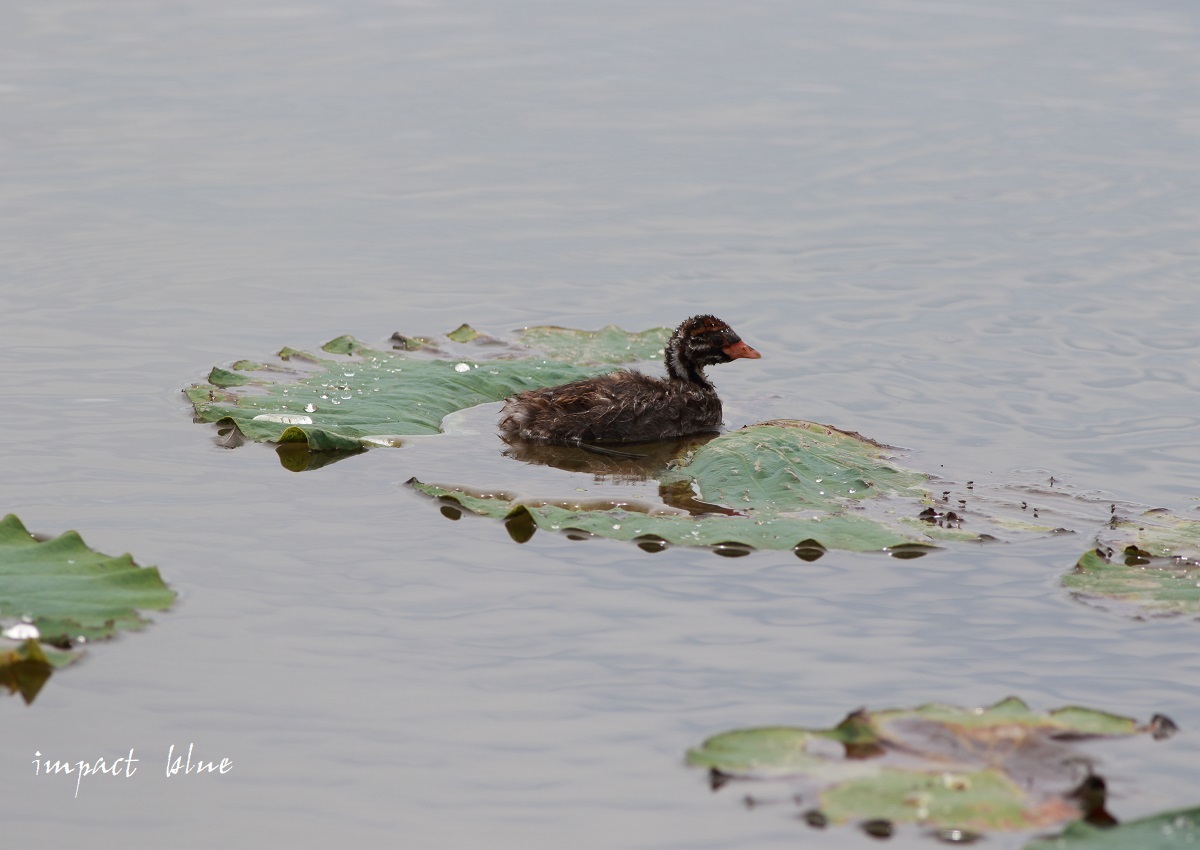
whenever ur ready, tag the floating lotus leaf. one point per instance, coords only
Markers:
(67, 590)
(607, 345)
(1151, 564)
(790, 466)
(784, 484)
(359, 396)
(1167, 831)
(638, 523)
(999, 768)
(777, 485)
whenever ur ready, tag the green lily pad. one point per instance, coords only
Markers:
(1005, 767)
(794, 466)
(1165, 831)
(785, 484)
(67, 591)
(361, 396)
(607, 345)
(1150, 565)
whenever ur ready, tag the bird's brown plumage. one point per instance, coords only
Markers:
(630, 407)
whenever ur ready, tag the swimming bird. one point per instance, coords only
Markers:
(632, 407)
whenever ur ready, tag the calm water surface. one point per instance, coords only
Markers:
(961, 228)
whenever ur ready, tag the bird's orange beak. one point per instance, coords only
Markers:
(739, 349)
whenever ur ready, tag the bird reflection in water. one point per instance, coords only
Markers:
(634, 465)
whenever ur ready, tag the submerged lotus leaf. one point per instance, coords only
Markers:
(1165, 831)
(1000, 768)
(67, 590)
(355, 395)
(777, 485)
(1151, 564)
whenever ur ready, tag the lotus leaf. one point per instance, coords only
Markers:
(1166, 831)
(362, 396)
(1152, 564)
(67, 590)
(777, 485)
(1004, 767)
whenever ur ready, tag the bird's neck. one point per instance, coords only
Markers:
(681, 368)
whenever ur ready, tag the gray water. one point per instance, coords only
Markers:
(964, 228)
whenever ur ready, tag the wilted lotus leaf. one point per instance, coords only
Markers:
(24, 667)
(1151, 564)
(54, 592)
(359, 396)
(999, 768)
